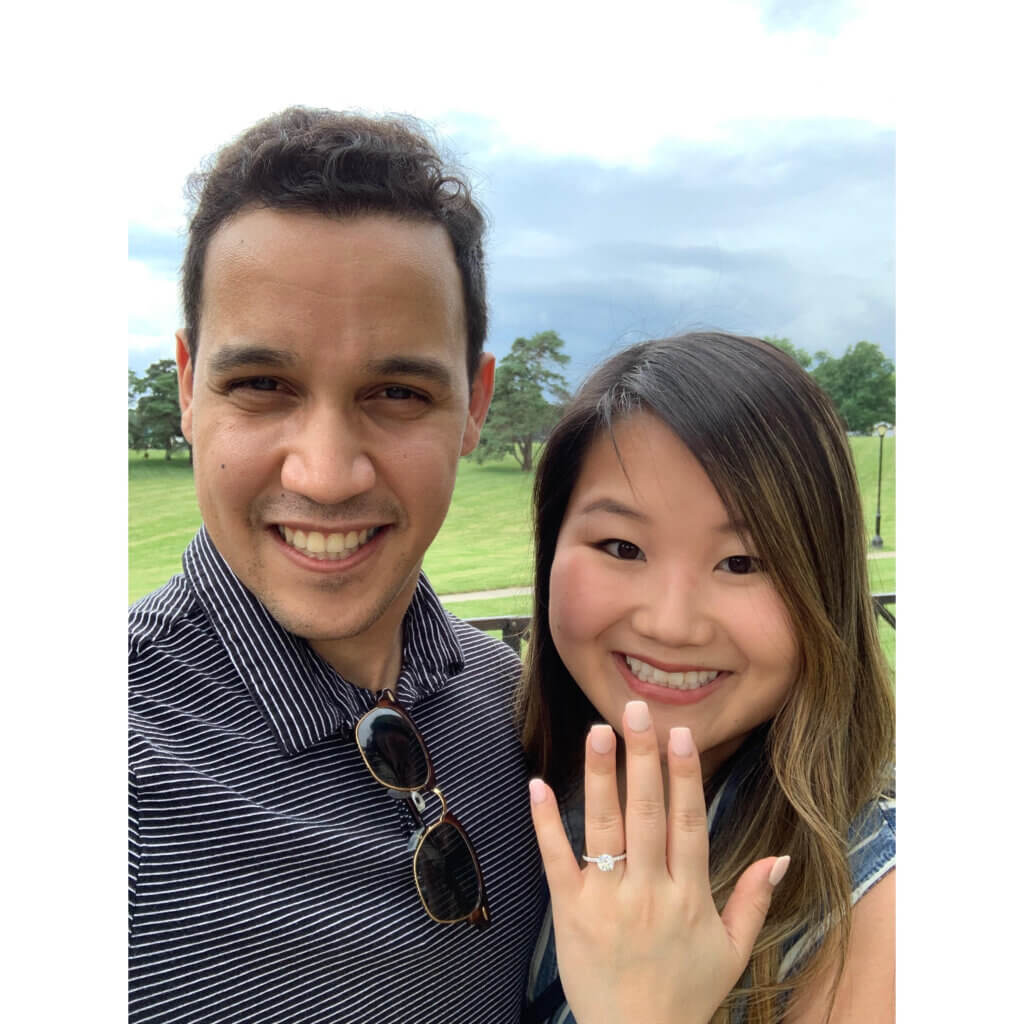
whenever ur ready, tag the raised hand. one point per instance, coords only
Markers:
(644, 941)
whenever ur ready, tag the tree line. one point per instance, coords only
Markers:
(154, 416)
(530, 392)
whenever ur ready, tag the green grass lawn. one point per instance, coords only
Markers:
(163, 516)
(485, 541)
(865, 460)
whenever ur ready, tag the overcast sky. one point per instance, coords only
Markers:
(730, 167)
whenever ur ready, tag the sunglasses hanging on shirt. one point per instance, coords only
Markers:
(445, 865)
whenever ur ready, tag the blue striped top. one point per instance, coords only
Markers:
(270, 875)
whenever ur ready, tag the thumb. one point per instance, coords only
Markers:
(744, 914)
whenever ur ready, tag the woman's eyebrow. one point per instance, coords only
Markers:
(736, 526)
(612, 507)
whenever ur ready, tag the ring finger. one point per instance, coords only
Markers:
(604, 830)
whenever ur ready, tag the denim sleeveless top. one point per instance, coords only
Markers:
(872, 854)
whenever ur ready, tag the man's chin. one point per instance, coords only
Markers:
(328, 611)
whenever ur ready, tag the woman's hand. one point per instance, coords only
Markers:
(644, 941)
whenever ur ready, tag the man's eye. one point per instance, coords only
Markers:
(622, 549)
(398, 393)
(740, 565)
(253, 384)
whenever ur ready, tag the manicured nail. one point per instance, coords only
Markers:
(538, 791)
(602, 739)
(680, 739)
(778, 871)
(638, 718)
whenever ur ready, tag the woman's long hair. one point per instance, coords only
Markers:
(771, 443)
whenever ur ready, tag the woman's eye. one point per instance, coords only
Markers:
(740, 565)
(622, 549)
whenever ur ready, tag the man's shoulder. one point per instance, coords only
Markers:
(480, 649)
(159, 615)
(170, 637)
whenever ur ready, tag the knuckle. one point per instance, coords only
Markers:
(602, 767)
(644, 744)
(646, 811)
(688, 768)
(688, 819)
(603, 819)
(762, 903)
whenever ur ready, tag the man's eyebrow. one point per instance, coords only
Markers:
(232, 357)
(612, 507)
(423, 367)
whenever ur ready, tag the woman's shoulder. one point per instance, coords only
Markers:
(872, 843)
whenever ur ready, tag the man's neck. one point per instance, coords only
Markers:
(370, 662)
(372, 659)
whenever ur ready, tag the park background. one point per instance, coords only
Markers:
(105, 106)
(684, 198)
(485, 543)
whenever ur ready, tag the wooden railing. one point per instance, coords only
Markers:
(513, 627)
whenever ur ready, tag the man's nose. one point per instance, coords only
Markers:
(327, 459)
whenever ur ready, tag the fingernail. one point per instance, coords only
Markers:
(538, 791)
(778, 871)
(680, 739)
(638, 718)
(602, 739)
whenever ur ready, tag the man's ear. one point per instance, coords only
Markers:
(479, 402)
(186, 378)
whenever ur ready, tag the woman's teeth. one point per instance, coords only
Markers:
(673, 680)
(327, 546)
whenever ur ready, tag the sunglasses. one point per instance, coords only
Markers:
(445, 866)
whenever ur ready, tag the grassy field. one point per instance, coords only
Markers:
(162, 518)
(483, 545)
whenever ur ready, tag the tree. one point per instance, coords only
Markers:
(528, 397)
(155, 420)
(802, 356)
(862, 384)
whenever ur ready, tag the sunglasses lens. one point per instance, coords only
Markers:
(392, 750)
(447, 873)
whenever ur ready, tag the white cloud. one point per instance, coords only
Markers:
(154, 310)
(567, 78)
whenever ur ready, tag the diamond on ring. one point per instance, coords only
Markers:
(605, 861)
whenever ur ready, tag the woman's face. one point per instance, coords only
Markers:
(656, 595)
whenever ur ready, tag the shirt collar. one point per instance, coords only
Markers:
(302, 698)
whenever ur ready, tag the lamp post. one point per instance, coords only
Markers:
(880, 429)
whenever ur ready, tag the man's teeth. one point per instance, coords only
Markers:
(673, 680)
(330, 547)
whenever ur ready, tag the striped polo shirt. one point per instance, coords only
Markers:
(270, 875)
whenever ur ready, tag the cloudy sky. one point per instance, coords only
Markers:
(730, 167)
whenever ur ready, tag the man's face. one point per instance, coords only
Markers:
(327, 408)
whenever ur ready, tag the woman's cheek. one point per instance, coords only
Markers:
(573, 583)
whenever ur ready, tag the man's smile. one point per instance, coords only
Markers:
(330, 547)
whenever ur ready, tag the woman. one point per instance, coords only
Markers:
(701, 586)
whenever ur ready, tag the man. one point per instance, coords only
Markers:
(285, 867)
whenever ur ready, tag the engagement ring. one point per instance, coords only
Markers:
(605, 861)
